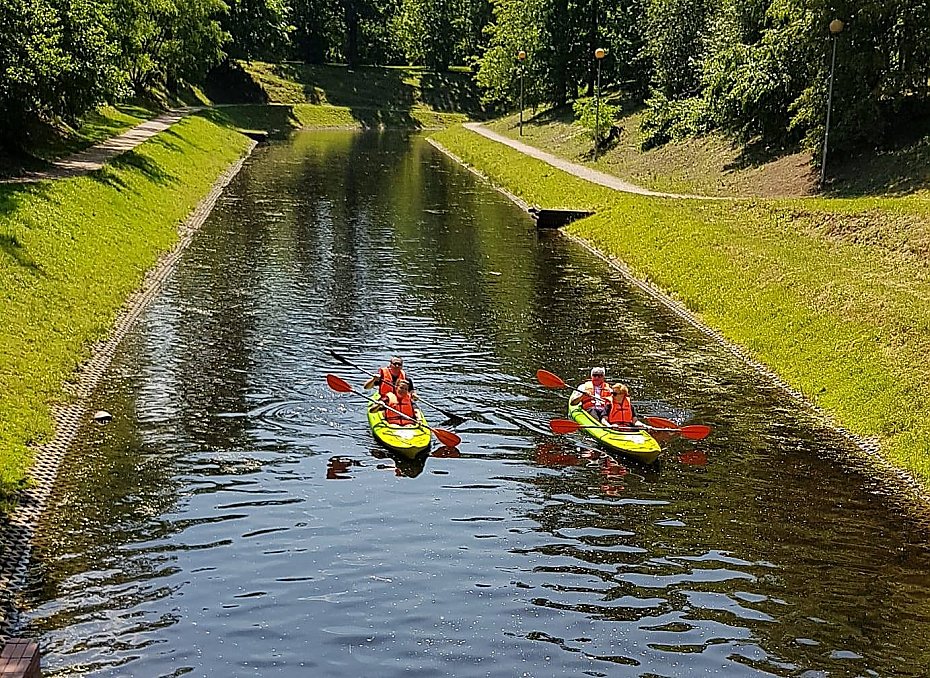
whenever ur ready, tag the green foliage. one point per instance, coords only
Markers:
(595, 120)
(258, 28)
(55, 60)
(516, 26)
(667, 120)
(675, 32)
(168, 42)
(64, 284)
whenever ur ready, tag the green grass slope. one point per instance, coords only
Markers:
(72, 251)
(364, 97)
(832, 294)
(715, 165)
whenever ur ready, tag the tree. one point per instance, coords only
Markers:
(167, 42)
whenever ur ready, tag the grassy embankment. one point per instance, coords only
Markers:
(304, 96)
(715, 165)
(46, 142)
(832, 294)
(72, 251)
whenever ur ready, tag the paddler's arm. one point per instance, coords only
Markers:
(374, 381)
(378, 406)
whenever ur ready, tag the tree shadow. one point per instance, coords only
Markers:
(277, 119)
(452, 93)
(131, 161)
(757, 152)
(895, 172)
(11, 199)
(11, 246)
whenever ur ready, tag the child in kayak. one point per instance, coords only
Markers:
(402, 402)
(621, 413)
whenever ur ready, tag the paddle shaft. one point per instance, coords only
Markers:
(346, 361)
(445, 437)
(552, 380)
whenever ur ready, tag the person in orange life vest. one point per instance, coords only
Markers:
(621, 413)
(595, 395)
(401, 401)
(387, 378)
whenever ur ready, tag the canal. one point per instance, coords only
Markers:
(236, 519)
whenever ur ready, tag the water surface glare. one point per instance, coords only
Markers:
(236, 519)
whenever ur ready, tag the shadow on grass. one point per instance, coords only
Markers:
(382, 88)
(756, 153)
(10, 245)
(132, 161)
(452, 93)
(892, 173)
(277, 119)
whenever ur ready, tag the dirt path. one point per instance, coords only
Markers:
(580, 171)
(94, 157)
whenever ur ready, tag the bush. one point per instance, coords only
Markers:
(586, 115)
(667, 120)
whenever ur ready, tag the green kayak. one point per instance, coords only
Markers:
(637, 444)
(406, 440)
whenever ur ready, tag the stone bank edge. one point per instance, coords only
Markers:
(18, 529)
(870, 459)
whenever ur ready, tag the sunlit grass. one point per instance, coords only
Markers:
(832, 294)
(284, 118)
(389, 90)
(71, 252)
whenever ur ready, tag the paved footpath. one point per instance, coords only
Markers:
(96, 156)
(580, 171)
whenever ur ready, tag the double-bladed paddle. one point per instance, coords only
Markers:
(454, 419)
(550, 380)
(447, 438)
(692, 432)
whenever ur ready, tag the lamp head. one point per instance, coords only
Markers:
(600, 53)
(521, 55)
(836, 26)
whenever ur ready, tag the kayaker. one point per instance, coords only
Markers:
(621, 413)
(387, 378)
(401, 401)
(595, 394)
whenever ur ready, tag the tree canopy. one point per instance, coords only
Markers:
(756, 69)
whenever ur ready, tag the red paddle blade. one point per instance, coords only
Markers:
(695, 432)
(337, 384)
(659, 422)
(564, 426)
(447, 438)
(549, 380)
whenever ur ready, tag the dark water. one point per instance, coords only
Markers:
(235, 519)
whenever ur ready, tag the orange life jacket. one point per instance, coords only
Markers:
(388, 381)
(595, 397)
(404, 405)
(621, 411)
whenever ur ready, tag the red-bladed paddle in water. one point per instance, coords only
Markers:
(693, 432)
(447, 438)
(453, 419)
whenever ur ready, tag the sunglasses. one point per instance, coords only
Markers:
(397, 364)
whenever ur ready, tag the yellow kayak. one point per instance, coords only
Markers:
(637, 444)
(406, 440)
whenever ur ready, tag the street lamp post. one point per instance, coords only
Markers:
(599, 54)
(521, 57)
(836, 27)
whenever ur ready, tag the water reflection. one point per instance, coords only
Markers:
(200, 533)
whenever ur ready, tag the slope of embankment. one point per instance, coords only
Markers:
(71, 253)
(833, 295)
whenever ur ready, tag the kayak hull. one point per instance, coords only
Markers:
(636, 444)
(408, 441)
